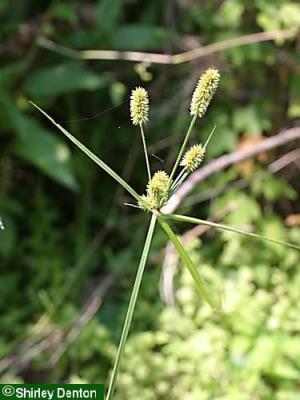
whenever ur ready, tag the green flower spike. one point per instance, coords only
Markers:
(193, 158)
(204, 92)
(139, 106)
(157, 192)
(158, 185)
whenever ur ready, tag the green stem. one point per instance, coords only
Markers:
(187, 136)
(145, 151)
(131, 307)
(178, 178)
(198, 221)
(179, 183)
(213, 301)
(92, 156)
(209, 137)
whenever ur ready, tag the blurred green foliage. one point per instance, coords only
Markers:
(66, 228)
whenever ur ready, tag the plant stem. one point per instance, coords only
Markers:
(213, 301)
(179, 183)
(92, 156)
(178, 178)
(198, 221)
(145, 151)
(131, 307)
(209, 137)
(187, 136)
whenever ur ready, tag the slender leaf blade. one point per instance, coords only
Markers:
(91, 155)
(198, 221)
(212, 300)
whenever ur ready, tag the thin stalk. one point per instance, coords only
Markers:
(209, 137)
(131, 308)
(92, 156)
(182, 179)
(213, 301)
(187, 136)
(145, 151)
(198, 221)
(178, 178)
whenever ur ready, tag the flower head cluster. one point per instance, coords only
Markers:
(139, 106)
(193, 157)
(204, 92)
(158, 184)
(156, 192)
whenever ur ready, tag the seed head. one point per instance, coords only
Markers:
(139, 106)
(148, 203)
(156, 192)
(204, 92)
(193, 157)
(158, 185)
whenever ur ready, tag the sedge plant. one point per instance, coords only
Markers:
(158, 190)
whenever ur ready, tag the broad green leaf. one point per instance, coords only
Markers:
(230, 13)
(46, 152)
(249, 120)
(63, 78)
(39, 146)
(138, 37)
(107, 14)
(64, 11)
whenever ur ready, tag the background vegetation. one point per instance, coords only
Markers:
(70, 247)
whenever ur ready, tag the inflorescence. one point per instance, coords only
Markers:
(156, 192)
(160, 186)
(139, 106)
(193, 157)
(204, 92)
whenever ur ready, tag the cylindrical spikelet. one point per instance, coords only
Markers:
(158, 185)
(193, 157)
(204, 92)
(139, 106)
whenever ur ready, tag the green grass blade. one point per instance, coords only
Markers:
(198, 221)
(92, 156)
(131, 308)
(213, 301)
